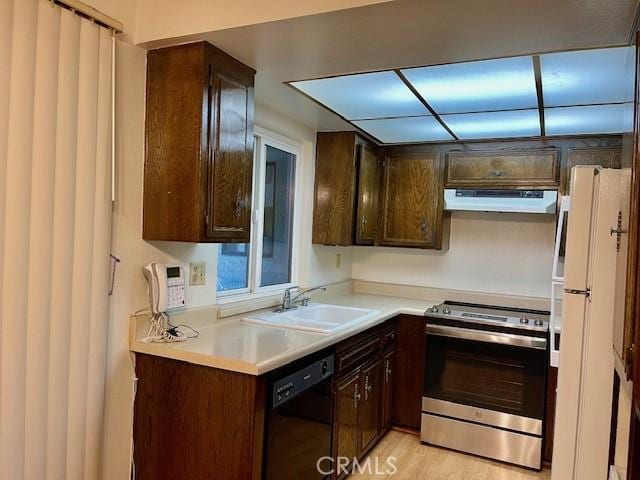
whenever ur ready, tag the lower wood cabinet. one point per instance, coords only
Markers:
(196, 422)
(550, 415)
(362, 397)
(409, 371)
(346, 432)
(388, 360)
(369, 407)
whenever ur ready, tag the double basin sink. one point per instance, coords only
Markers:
(318, 318)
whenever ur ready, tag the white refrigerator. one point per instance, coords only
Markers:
(586, 368)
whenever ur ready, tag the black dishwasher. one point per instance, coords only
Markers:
(298, 420)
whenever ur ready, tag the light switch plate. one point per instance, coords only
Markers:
(197, 274)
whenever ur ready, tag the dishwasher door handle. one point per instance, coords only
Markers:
(536, 343)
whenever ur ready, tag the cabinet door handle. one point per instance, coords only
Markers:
(238, 204)
(497, 173)
(387, 371)
(356, 395)
(367, 391)
(367, 387)
(363, 222)
(424, 227)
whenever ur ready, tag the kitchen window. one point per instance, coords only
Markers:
(266, 264)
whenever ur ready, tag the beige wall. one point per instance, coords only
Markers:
(488, 252)
(161, 19)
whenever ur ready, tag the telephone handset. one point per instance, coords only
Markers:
(166, 287)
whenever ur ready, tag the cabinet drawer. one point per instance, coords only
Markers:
(503, 169)
(358, 354)
(388, 337)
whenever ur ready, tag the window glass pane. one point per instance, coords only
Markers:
(278, 217)
(233, 266)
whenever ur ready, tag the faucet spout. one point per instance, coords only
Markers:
(288, 301)
(305, 300)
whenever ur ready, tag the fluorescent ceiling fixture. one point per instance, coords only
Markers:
(404, 130)
(518, 123)
(586, 119)
(503, 84)
(368, 95)
(588, 76)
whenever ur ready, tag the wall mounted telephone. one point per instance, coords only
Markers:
(166, 287)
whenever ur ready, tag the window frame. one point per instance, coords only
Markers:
(262, 139)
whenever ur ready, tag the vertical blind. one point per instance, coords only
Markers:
(55, 213)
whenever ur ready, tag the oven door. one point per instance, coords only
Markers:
(501, 376)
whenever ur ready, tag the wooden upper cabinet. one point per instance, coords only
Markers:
(368, 188)
(335, 188)
(338, 199)
(412, 201)
(603, 156)
(526, 169)
(199, 145)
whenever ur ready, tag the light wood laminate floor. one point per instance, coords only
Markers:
(416, 461)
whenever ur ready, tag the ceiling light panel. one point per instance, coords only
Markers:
(405, 130)
(588, 76)
(362, 96)
(516, 123)
(588, 119)
(488, 85)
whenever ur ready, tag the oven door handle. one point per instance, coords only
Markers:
(487, 337)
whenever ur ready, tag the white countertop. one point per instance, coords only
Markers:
(232, 344)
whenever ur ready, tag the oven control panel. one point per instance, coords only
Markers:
(520, 319)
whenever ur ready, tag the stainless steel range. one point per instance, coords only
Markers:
(485, 381)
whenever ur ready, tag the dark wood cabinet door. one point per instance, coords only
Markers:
(230, 171)
(503, 169)
(603, 156)
(550, 413)
(175, 153)
(388, 360)
(409, 371)
(335, 188)
(346, 434)
(368, 187)
(369, 409)
(412, 201)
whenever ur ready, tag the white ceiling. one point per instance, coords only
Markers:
(409, 33)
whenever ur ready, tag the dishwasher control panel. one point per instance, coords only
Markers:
(299, 381)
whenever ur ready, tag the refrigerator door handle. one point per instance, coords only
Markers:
(575, 291)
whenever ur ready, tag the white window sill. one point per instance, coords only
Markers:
(230, 305)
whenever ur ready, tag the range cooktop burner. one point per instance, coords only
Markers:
(493, 315)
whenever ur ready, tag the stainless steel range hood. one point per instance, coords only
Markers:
(516, 201)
